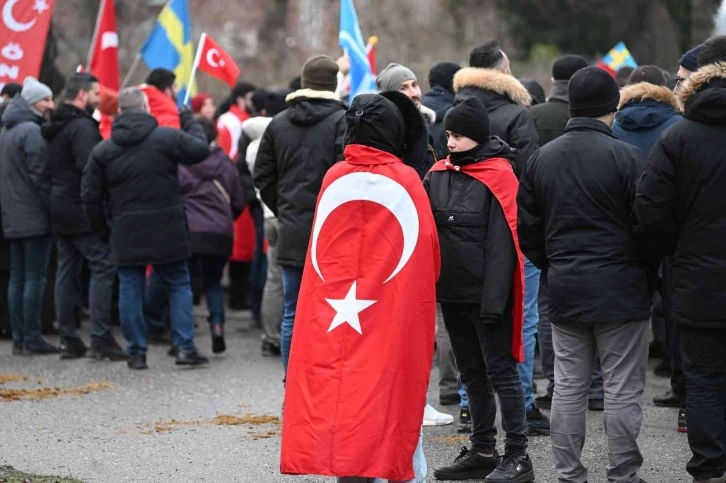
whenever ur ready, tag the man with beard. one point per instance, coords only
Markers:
(71, 135)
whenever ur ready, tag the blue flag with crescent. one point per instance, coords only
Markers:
(362, 79)
(169, 45)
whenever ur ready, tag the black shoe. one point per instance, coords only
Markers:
(596, 405)
(656, 350)
(543, 402)
(663, 369)
(512, 469)
(39, 347)
(218, 345)
(190, 357)
(270, 350)
(137, 362)
(73, 348)
(469, 465)
(668, 400)
(18, 349)
(537, 423)
(464, 421)
(107, 349)
(173, 351)
(682, 423)
(449, 400)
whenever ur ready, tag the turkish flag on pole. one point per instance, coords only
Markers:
(215, 61)
(23, 35)
(364, 331)
(103, 57)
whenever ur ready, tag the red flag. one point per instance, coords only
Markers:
(215, 61)
(23, 34)
(497, 175)
(103, 57)
(364, 330)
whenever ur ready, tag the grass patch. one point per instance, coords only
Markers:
(10, 475)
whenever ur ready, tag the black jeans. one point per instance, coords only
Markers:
(486, 365)
(704, 364)
(672, 333)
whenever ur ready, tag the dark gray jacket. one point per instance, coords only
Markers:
(24, 179)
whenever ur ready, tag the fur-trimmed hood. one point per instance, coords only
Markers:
(495, 81)
(428, 114)
(645, 91)
(704, 95)
(311, 94)
(308, 107)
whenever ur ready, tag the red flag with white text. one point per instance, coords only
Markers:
(215, 61)
(103, 57)
(23, 34)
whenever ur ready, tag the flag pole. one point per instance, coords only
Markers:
(131, 71)
(202, 40)
(91, 51)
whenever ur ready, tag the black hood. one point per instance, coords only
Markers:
(131, 128)
(376, 122)
(17, 112)
(708, 105)
(416, 139)
(61, 117)
(308, 107)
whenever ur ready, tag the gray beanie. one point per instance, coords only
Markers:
(391, 78)
(34, 91)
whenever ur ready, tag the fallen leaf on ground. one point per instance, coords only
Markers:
(450, 439)
(219, 420)
(230, 420)
(47, 393)
(5, 378)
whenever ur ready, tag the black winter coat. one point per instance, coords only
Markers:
(440, 100)
(134, 175)
(680, 203)
(575, 199)
(298, 147)
(71, 134)
(478, 257)
(506, 101)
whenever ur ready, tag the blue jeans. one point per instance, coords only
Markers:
(463, 398)
(28, 273)
(291, 279)
(419, 468)
(212, 270)
(531, 319)
(71, 252)
(258, 269)
(171, 284)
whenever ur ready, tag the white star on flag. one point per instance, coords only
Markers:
(347, 310)
(40, 6)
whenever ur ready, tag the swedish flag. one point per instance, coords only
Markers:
(170, 44)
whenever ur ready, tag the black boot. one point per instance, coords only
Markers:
(39, 347)
(469, 465)
(669, 400)
(190, 357)
(218, 344)
(107, 348)
(464, 421)
(73, 348)
(512, 469)
(137, 362)
(537, 423)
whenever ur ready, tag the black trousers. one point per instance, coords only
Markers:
(486, 366)
(704, 364)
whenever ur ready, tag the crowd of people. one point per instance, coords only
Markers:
(575, 225)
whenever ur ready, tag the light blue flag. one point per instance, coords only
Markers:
(362, 79)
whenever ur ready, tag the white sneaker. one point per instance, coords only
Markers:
(434, 418)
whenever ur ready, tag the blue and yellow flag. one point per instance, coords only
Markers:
(170, 45)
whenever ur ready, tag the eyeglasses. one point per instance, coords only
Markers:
(680, 80)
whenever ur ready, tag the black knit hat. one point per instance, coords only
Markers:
(566, 66)
(712, 51)
(469, 118)
(593, 93)
(689, 61)
(442, 75)
(320, 73)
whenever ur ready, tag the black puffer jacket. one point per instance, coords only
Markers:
(575, 199)
(506, 101)
(134, 175)
(478, 257)
(71, 134)
(298, 147)
(680, 204)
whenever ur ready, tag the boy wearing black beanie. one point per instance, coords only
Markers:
(481, 290)
(575, 202)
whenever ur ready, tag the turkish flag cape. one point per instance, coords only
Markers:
(357, 378)
(497, 175)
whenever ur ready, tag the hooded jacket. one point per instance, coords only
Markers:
(134, 176)
(551, 117)
(440, 100)
(161, 106)
(71, 134)
(679, 203)
(644, 113)
(213, 198)
(575, 199)
(24, 180)
(297, 149)
(478, 257)
(507, 103)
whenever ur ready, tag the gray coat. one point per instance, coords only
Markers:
(24, 179)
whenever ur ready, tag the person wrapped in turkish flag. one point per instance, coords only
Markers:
(363, 343)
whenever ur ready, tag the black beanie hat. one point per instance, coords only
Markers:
(593, 93)
(320, 73)
(689, 61)
(566, 66)
(442, 75)
(469, 118)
